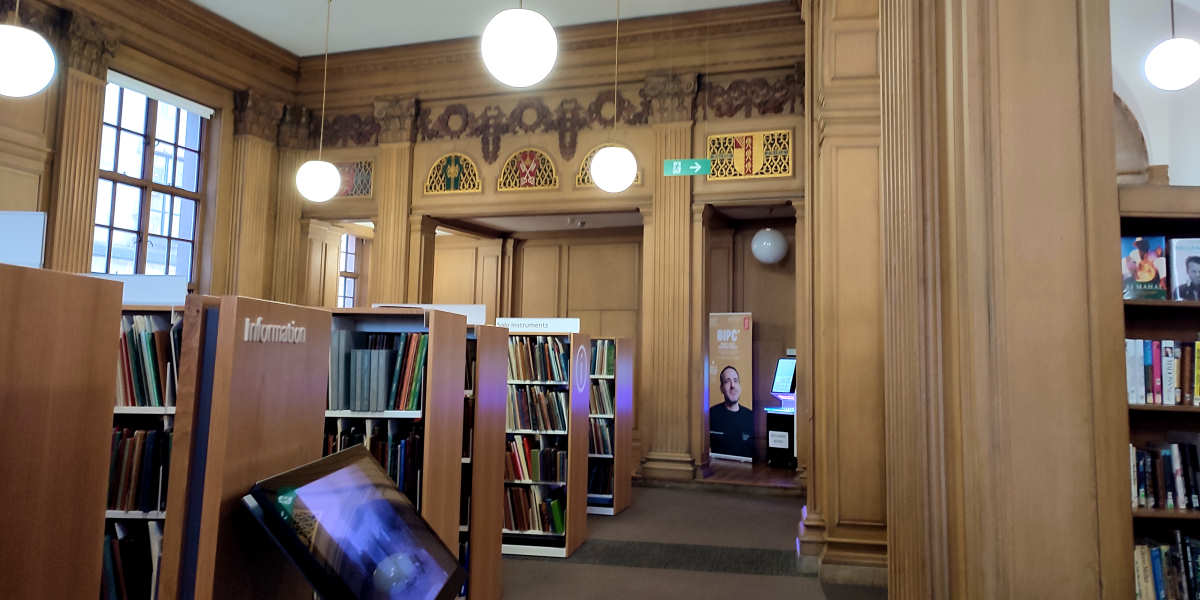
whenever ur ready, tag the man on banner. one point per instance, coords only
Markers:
(730, 424)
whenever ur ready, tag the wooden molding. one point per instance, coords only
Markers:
(76, 171)
(256, 115)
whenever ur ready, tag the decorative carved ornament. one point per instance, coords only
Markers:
(90, 46)
(397, 117)
(295, 130)
(453, 173)
(356, 179)
(256, 115)
(525, 170)
(351, 130)
(747, 98)
(528, 115)
(672, 96)
(754, 155)
(584, 177)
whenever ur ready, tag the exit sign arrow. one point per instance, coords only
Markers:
(683, 167)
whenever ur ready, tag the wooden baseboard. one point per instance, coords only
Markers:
(673, 467)
(853, 575)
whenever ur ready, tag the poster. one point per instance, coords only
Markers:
(731, 386)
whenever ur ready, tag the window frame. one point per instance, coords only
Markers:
(354, 249)
(147, 186)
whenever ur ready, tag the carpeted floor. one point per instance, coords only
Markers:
(682, 544)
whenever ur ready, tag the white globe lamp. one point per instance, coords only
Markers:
(519, 47)
(29, 64)
(318, 180)
(1174, 64)
(768, 246)
(613, 169)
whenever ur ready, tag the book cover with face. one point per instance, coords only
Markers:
(1185, 269)
(1144, 267)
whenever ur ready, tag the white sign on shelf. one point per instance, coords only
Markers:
(151, 290)
(22, 238)
(476, 314)
(777, 439)
(538, 325)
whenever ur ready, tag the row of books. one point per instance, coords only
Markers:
(138, 466)
(600, 477)
(1165, 477)
(601, 402)
(397, 446)
(600, 437)
(1169, 571)
(1161, 372)
(1145, 273)
(536, 408)
(534, 461)
(147, 369)
(537, 358)
(534, 509)
(377, 371)
(604, 357)
(132, 555)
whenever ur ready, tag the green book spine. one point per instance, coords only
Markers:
(397, 371)
(414, 395)
(557, 514)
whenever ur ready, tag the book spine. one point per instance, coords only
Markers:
(1148, 369)
(1141, 480)
(1167, 480)
(1133, 372)
(1184, 564)
(1189, 371)
(1156, 564)
(1156, 345)
(1181, 495)
(1168, 368)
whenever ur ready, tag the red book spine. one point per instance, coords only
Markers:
(1157, 349)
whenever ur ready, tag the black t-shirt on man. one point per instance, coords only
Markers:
(731, 432)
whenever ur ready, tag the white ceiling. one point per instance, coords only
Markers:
(299, 25)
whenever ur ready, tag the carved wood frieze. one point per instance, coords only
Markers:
(746, 98)
(254, 114)
(351, 130)
(396, 116)
(672, 96)
(90, 45)
(295, 130)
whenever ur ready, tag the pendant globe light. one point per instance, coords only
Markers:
(29, 64)
(1175, 63)
(614, 168)
(519, 47)
(319, 180)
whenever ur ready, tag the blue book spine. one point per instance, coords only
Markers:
(1160, 586)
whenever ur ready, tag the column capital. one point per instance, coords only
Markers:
(256, 115)
(397, 117)
(295, 128)
(672, 96)
(90, 45)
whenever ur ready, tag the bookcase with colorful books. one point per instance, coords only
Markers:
(140, 454)
(1160, 267)
(610, 420)
(546, 445)
(396, 385)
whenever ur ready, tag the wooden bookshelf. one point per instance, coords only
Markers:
(1151, 513)
(1163, 408)
(578, 391)
(439, 419)
(617, 378)
(58, 357)
(485, 470)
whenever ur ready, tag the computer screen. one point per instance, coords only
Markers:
(352, 533)
(785, 376)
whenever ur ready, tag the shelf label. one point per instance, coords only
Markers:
(777, 439)
(538, 325)
(687, 166)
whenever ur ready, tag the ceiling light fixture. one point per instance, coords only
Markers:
(319, 180)
(519, 47)
(614, 167)
(30, 64)
(1175, 63)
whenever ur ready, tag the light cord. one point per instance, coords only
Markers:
(1172, 19)
(16, 16)
(324, 80)
(616, 66)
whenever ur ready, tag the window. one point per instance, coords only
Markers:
(148, 195)
(347, 271)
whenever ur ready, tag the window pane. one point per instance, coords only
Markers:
(164, 155)
(187, 169)
(104, 189)
(165, 129)
(133, 111)
(349, 262)
(111, 92)
(99, 249)
(189, 130)
(128, 207)
(341, 261)
(349, 287)
(181, 259)
(160, 215)
(108, 149)
(156, 255)
(183, 223)
(124, 253)
(129, 159)
(345, 236)
(341, 286)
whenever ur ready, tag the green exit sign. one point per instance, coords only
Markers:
(687, 166)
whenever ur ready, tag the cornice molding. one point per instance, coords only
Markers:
(90, 45)
(397, 117)
(256, 115)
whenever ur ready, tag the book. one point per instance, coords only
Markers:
(1168, 372)
(1144, 268)
(1135, 380)
(1156, 348)
(1184, 257)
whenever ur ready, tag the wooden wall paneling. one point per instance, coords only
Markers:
(421, 235)
(720, 270)
(577, 441)
(255, 163)
(538, 280)
(267, 415)
(701, 291)
(487, 468)
(603, 276)
(294, 142)
(454, 272)
(442, 485)
(393, 196)
(508, 279)
(802, 315)
(58, 353)
(184, 441)
(488, 271)
(320, 245)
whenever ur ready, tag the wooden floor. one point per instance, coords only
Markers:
(760, 475)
